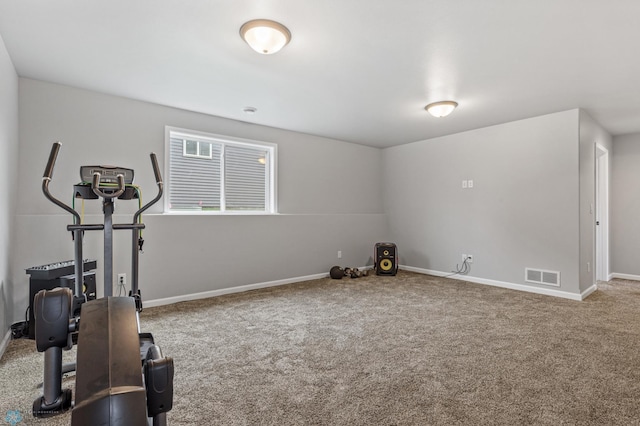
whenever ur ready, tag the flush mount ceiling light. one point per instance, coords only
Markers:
(442, 108)
(265, 36)
(249, 110)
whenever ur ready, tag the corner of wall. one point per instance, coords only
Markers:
(522, 211)
(624, 207)
(591, 134)
(8, 177)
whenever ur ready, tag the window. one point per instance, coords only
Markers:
(211, 173)
(201, 149)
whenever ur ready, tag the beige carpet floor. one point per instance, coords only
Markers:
(406, 350)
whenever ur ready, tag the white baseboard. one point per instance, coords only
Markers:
(5, 343)
(238, 289)
(503, 284)
(242, 288)
(624, 276)
(588, 291)
(230, 290)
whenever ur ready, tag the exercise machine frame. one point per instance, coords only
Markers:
(121, 376)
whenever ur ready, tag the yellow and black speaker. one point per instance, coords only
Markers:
(386, 258)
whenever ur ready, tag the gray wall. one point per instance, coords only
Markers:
(533, 184)
(591, 133)
(522, 212)
(625, 205)
(8, 161)
(329, 197)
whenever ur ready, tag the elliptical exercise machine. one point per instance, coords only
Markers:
(121, 376)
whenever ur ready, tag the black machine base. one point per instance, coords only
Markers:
(41, 409)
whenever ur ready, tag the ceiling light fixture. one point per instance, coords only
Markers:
(265, 36)
(249, 110)
(442, 108)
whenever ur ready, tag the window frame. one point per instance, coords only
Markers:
(198, 154)
(271, 170)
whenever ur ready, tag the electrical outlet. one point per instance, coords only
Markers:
(122, 279)
(464, 257)
(469, 258)
(339, 254)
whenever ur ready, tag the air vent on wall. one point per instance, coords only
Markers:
(540, 276)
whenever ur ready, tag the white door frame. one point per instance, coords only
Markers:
(602, 213)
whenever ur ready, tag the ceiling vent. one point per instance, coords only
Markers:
(540, 276)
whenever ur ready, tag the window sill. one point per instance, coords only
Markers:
(217, 213)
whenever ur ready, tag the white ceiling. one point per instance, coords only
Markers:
(355, 70)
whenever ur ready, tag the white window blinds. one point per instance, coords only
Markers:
(245, 178)
(194, 182)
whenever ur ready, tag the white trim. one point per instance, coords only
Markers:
(5, 343)
(230, 290)
(214, 213)
(624, 276)
(223, 179)
(271, 194)
(181, 133)
(166, 168)
(248, 287)
(601, 232)
(502, 284)
(239, 289)
(588, 291)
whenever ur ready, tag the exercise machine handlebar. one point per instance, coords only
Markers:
(159, 183)
(95, 187)
(53, 155)
(156, 169)
(46, 178)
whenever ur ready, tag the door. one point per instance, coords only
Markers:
(602, 213)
